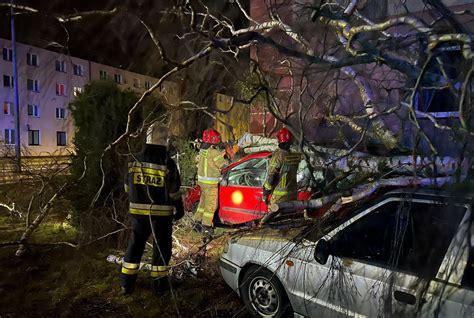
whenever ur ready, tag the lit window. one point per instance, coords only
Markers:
(136, 82)
(10, 136)
(147, 85)
(32, 85)
(33, 137)
(32, 59)
(33, 110)
(8, 81)
(60, 89)
(78, 70)
(61, 138)
(77, 91)
(7, 54)
(118, 78)
(7, 108)
(60, 113)
(61, 66)
(103, 75)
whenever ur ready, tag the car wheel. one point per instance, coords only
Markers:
(263, 294)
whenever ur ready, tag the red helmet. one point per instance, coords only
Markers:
(211, 136)
(283, 135)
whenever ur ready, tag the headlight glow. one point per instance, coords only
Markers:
(237, 197)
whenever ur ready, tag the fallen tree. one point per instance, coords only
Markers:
(405, 171)
(359, 162)
(338, 200)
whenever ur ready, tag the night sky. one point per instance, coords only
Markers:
(118, 40)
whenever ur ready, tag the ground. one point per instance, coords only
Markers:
(62, 281)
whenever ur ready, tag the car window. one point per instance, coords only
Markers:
(405, 236)
(250, 173)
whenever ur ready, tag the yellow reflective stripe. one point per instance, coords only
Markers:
(158, 274)
(148, 206)
(293, 158)
(205, 166)
(202, 178)
(209, 181)
(280, 192)
(267, 186)
(146, 165)
(130, 265)
(127, 188)
(221, 157)
(150, 171)
(129, 271)
(207, 218)
(159, 271)
(150, 212)
(283, 181)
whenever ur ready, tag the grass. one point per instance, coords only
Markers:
(60, 281)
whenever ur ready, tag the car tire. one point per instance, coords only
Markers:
(263, 294)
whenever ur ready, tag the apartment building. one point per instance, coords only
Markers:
(388, 87)
(48, 82)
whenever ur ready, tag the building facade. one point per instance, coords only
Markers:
(333, 93)
(47, 83)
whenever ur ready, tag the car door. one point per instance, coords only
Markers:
(451, 293)
(240, 192)
(382, 263)
(353, 281)
(429, 234)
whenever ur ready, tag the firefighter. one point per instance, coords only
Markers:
(280, 182)
(153, 184)
(210, 160)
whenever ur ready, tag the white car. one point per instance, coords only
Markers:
(409, 253)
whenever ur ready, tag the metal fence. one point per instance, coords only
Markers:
(32, 167)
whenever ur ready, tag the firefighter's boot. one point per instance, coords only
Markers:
(125, 290)
(198, 227)
(160, 285)
(207, 234)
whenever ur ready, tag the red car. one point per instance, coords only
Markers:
(240, 191)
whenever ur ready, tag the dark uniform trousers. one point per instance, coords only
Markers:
(153, 182)
(143, 227)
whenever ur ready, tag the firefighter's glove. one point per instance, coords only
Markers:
(229, 152)
(179, 211)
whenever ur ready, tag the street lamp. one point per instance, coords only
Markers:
(15, 86)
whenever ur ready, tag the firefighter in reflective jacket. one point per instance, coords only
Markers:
(210, 162)
(282, 170)
(155, 201)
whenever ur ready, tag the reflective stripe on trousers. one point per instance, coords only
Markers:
(289, 196)
(159, 271)
(207, 203)
(130, 268)
(208, 180)
(151, 209)
(142, 228)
